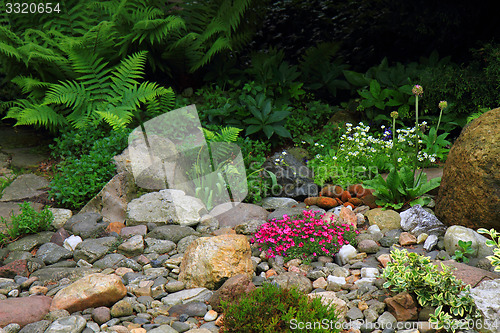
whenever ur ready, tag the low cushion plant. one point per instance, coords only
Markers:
(414, 273)
(29, 221)
(303, 237)
(271, 309)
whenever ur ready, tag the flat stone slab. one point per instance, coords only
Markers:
(26, 158)
(24, 187)
(469, 274)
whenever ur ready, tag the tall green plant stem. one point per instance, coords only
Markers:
(394, 143)
(437, 127)
(417, 130)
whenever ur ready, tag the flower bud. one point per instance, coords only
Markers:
(394, 114)
(443, 105)
(417, 90)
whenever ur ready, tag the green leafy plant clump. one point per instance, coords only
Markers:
(415, 274)
(402, 187)
(29, 221)
(465, 248)
(78, 179)
(272, 309)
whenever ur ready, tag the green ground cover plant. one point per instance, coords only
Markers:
(270, 309)
(28, 221)
(78, 179)
(414, 273)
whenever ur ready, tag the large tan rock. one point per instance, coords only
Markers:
(210, 260)
(469, 194)
(385, 219)
(23, 310)
(91, 291)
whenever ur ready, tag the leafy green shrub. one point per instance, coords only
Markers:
(28, 221)
(413, 273)
(76, 142)
(78, 179)
(304, 121)
(272, 309)
(495, 241)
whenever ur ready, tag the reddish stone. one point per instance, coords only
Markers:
(348, 204)
(59, 236)
(369, 200)
(231, 290)
(355, 201)
(23, 310)
(326, 202)
(331, 191)
(348, 217)
(402, 306)
(270, 273)
(18, 267)
(115, 227)
(469, 274)
(345, 196)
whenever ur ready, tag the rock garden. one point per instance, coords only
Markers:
(163, 170)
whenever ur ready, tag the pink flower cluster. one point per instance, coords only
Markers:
(301, 237)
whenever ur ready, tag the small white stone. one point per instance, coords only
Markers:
(13, 293)
(430, 242)
(346, 253)
(210, 315)
(369, 272)
(71, 242)
(340, 280)
(373, 229)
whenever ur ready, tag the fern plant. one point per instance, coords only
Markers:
(100, 93)
(213, 27)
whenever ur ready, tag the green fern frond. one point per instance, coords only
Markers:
(28, 113)
(218, 46)
(9, 51)
(126, 74)
(28, 83)
(71, 94)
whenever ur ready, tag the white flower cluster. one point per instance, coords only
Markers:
(357, 143)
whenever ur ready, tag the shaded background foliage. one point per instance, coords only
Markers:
(372, 29)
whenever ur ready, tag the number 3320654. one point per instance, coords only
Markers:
(32, 8)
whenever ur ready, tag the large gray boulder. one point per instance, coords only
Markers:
(417, 220)
(165, 207)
